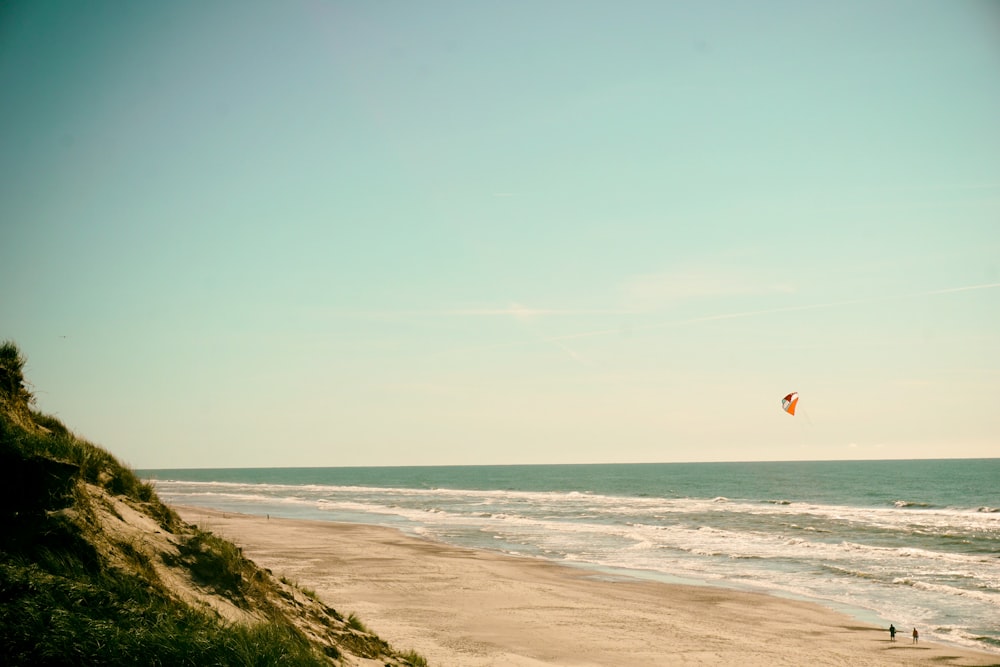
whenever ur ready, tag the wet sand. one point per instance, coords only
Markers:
(471, 608)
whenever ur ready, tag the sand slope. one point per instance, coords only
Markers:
(472, 608)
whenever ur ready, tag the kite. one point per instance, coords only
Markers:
(789, 402)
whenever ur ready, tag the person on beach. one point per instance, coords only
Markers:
(916, 635)
(892, 632)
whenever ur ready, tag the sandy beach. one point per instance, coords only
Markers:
(467, 608)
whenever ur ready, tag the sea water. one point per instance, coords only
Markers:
(914, 543)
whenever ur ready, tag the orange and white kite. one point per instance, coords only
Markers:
(789, 402)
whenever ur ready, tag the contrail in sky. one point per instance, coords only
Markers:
(742, 314)
(958, 289)
(783, 309)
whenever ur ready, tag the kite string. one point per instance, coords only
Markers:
(805, 413)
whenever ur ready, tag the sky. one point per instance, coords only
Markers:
(329, 233)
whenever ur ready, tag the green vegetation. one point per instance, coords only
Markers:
(414, 658)
(73, 593)
(12, 375)
(220, 566)
(79, 616)
(355, 622)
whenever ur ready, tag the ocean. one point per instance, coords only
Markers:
(913, 543)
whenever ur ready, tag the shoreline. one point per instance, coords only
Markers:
(477, 608)
(859, 614)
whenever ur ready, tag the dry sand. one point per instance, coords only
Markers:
(468, 608)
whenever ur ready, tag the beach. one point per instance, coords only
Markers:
(478, 608)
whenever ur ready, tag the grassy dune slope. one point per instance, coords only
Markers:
(94, 569)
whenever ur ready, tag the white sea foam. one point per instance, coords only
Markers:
(936, 565)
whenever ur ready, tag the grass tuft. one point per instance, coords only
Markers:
(355, 623)
(414, 658)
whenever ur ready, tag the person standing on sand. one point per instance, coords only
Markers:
(916, 635)
(892, 632)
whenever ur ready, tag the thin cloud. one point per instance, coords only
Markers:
(515, 310)
(948, 187)
(961, 289)
(652, 291)
(519, 311)
(573, 354)
(524, 313)
(765, 311)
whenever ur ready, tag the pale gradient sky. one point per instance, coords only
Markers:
(406, 233)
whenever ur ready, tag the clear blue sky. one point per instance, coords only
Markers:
(406, 233)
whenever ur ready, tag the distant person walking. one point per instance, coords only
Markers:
(916, 635)
(892, 632)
